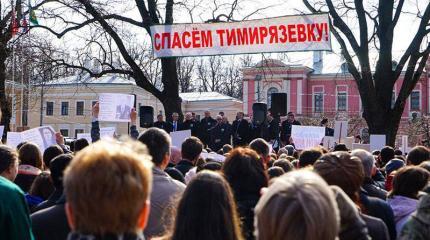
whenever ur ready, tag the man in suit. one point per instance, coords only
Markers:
(123, 111)
(191, 124)
(329, 132)
(175, 124)
(160, 123)
(205, 125)
(286, 128)
(240, 130)
(220, 134)
(271, 130)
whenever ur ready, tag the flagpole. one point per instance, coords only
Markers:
(13, 73)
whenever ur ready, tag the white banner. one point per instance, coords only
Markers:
(305, 137)
(281, 34)
(377, 142)
(42, 136)
(115, 107)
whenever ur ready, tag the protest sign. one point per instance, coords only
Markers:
(1, 130)
(361, 146)
(115, 107)
(179, 137)
(107, 132)
(340, 130)
(42, 136)
(281, 34)
(377, 142)
(86, 136)
(307, 136)
(348, 141)
(404, 147)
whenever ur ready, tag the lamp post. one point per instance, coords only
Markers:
(258, 78)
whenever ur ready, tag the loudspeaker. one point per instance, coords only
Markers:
(146, 115)
(259, 112)
(279, 104)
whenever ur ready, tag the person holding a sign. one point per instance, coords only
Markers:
(286, 128)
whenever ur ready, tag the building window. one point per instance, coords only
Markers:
(341, 101)
(80, 108)
(415, 101)
(77, 131)
(64, 132)
(270, 91)
(318, 102)
(64, 108)
(49, 108)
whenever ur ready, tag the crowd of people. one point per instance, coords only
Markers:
(143, 188)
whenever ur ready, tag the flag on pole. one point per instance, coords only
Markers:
(33, 18)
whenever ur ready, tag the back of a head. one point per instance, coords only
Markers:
(208, 194)
(387, 153)
(29, 154)
(50, 153)
(340, 169)
(8, 160)
(425, 165)
(418, 155)
(284, 164)
(175, 174)
(120, 176)
(290, 150)
(340, 148)
(367, 160)
(409, 180)
(42, 186)
(244, 171)
(191, 148)
(275, 172)
(158, 143)
(226, 148)
(293, 207)
(57, 167)
(308, 157)
(393, 165)
(260, 146)
(80, 144)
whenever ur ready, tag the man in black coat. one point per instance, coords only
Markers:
(240, 130)
(271, 131)
(191, 149)
(286, 127)
(190, 124)
(205, 125)
(160, 123)
(329, 132)
(220, 134)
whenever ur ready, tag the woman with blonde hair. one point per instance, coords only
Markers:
(298, 205)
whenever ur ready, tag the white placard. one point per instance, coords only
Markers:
(328, 142)
(377, 142)
(361, 146)
(340, 130)
(280, 34)
(1, 131)
(179, 137)
(404, 147)
(42, 136)
(348, 141)
(84, 136)
(107, 132)
(115, 107)
(307, 136)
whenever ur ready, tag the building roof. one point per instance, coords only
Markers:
(110, 79)
(205, 96)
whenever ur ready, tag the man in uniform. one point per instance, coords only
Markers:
(205, 125)
(190, 124)
(286, 128)
(240, 130)
(160, 123)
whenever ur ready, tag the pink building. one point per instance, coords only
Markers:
(312, 93)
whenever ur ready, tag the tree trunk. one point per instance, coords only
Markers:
(4, 103)
(171, 105)
(385, 124)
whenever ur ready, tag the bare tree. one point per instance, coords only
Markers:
(185, 74)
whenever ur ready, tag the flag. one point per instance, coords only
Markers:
(33, 18)
(14, 24)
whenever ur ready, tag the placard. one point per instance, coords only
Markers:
(107, 132)
(377, 142)
(328, 142)
(42, 136)
(179, 137)
(404, 147)
(115, 107)
(1, 131)
(340, 130)
(305, 137)
(282, 34)
(348, 141)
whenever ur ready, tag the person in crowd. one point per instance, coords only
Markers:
(375, 207)
(190, 149)
(288, 149)
(175, 125)
(57, 166)
(164, 188)
(160, 123)
(227, 148)
(370, 187)
(80, 144)
(220, 134)
(191, 124)
(390, 170)
(207, 210)
(358, 139)
(387, 153)
(246, 175)
(262, 148)
(8, 163)
(275, 172)
(30, 166)
(293, 206)
(240, 129)
(212, 166)
(40, 190)
(329, 132)
(14, 216)
(119, 209)
(198, 166)
(346, 171)
(175, 174)
(340, 148)
(403, 199)
(205, 125)
(398, 152)
(50, 153)
(284, 164)
(308, 157)
(418, 225)
(222, 114)
(271, 131)
(286, 128)
(418, 155)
